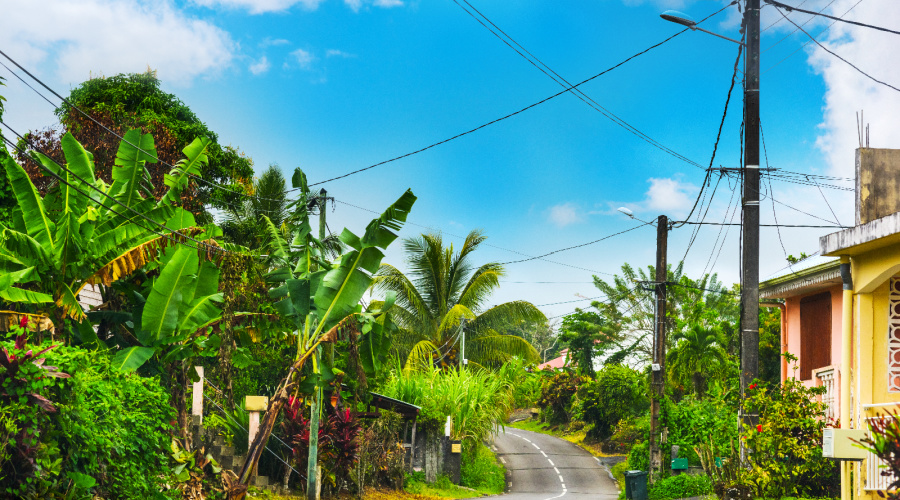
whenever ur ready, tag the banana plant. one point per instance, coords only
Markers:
(322, 300)
(76, 235)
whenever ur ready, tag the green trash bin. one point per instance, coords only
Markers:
(636, 485)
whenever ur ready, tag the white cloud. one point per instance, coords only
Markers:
(848, 91)
(356, 5)
(387, 4)
(564, 214)
(338, 53)
(303, 58)
(261, 66)
(669, 196)
(260, 6)
(272, 42)
(76, 40)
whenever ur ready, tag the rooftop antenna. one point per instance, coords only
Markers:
(859, 132)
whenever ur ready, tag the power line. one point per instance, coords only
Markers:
(556, 77)
(510, 115)
(785, 37)
(807, 42)
(836, 55)
(577, 246)
(103, 126)
(779, 20)
(864, 25)
(431, 228)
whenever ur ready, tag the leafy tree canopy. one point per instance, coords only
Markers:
(128, 101)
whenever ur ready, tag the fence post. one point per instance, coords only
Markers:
(197, 398)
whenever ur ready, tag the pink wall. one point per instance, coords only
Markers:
(792, 305)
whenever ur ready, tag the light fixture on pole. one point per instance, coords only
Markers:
(682, 19)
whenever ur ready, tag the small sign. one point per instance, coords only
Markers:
(256, 403)
(456, 448)
(655, 367)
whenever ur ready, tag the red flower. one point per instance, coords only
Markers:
(23, 322)
(758, 427)
(752, 386)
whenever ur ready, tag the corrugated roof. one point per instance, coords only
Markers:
(808, 263)
(813, 272)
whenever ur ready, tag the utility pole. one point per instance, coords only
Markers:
(750, 251)
(658, 367)
(323, 198)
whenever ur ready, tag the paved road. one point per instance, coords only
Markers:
(542, 467)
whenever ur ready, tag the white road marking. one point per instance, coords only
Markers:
(551, 462)
(526, 439)
(536, 446)
(557, 470)
(545, 455)
(561, 479)
(564, 486)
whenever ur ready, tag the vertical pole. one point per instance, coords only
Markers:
(322, 201)
(197, 398)
(462, 342)
(750, 250)
(657, 373)
(312, 463)
(846, 346)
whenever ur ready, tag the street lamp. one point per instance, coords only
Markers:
(682, 19)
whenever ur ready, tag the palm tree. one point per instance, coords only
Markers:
(699, 353)
(243, 222)
(445, 297)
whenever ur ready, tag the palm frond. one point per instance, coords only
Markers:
(506, 314)
(480, 286)
(495, 349)
(421, 356)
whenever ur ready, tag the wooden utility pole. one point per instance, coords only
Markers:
(658, 367)
(750, 242)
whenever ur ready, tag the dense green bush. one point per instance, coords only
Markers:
(710, 422)
(618, 392)
(639, 457)
(110, 431)
(557, 395)
(481, 471)
(526, 385)
(787, 453)
(479, 401)
(680, 486)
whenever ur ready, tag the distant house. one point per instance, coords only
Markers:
(842, 312)
(556, 363)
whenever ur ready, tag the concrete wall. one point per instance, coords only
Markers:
(877, 183)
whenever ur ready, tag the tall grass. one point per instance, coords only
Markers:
(479, 401)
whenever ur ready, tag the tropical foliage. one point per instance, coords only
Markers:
(84, 231)
(444, 298)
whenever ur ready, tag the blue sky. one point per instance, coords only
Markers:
(333, 86)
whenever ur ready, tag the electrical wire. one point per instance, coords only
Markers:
(779, 20)
(807, 42)
(779, 5)
(577, 246)
(434, 229)
(496, 120)
(785, 37)
(826, 49)
(559, 79)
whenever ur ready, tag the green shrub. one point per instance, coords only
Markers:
(112, 426)
(481, 471)
(618, 392)
(680, 486)
(557, 395)
(787, 453)
(711, 422)
(110, 431)
(639, 457)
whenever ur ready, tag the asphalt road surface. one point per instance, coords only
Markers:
(542, 467)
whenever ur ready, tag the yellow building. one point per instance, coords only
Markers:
(842, 316)
(870, 334)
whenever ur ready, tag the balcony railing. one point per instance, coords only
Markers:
(827, 378)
